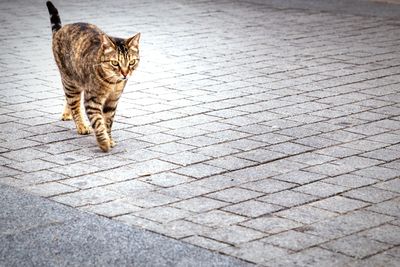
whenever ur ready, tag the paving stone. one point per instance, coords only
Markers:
(130, 188)
(216, 218)
(26, 154)
(294, 240)
(181, 229)
(252, 208)
(40, 177)
(86, 197)
(389, 207)
(386, 233)
(300, 177)
(306, 214)
(199, 170)
(347, 224)
(76, 169)
(312, 257)
(268, 185)
(261, 155)
(205, 242)
(370, 194)
(350, 180)
(166, 179)
(321, 189)
(234, 195)
(256, 251)
(200, 204)
(219, 182)
(185, 158)
(49, 189)
(163, 214)
(378, 172)
(356, 246)
(185, 191)
(33, 165)
(86, 181)
(339, 204)
(288, 198)
(271, 225)
(113, 208)
(330, 169)
(230, 163)
(392, 185)
(234, 234)
(386, 258)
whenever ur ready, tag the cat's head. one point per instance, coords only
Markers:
(120, 57)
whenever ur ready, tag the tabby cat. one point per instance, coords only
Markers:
(95, 65)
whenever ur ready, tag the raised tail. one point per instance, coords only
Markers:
(54, 17)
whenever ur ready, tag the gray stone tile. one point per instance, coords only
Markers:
(151, 199)
(252, 208)
(216, 218)
(306, 214)
(312, 257)
(162, 214)
(287, 198)
(200, 204)
(300, 177)
(50, 189)
(321, 189)
(199, 170)
(256, 251)
(205, 242)
(389, 207)
(370, 194)
(260, 155)
(185, 158)
(230, 163)
(40, 177)
(129, 188)
(268, 186)
(234, 195)
(339, 204)
(294, 240)
(185, 191)
(356, 246)
(86, 197)
(86, 181)
(378, 172)
(270, 224)
(113, 208)
(350, 180)
(234, 234)
(347, 224)
(392, 185)
(166, 179)
(389, 234)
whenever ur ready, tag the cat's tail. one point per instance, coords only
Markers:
(54, 17)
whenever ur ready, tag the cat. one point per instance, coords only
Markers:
(96, 66)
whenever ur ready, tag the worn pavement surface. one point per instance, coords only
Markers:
(268, 131)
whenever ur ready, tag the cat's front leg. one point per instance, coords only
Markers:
(94, 111)
(109, 109)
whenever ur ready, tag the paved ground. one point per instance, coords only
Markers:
(265, 131)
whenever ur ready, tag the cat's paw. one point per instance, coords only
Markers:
(112, 143)
(83, 129)
(66, 117)
(105, 145)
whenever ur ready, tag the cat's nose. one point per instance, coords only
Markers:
(124, 73)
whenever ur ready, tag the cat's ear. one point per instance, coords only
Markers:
(107, 43)
(133, 41)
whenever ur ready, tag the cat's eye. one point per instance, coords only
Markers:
(114, 63)
(132, 62)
